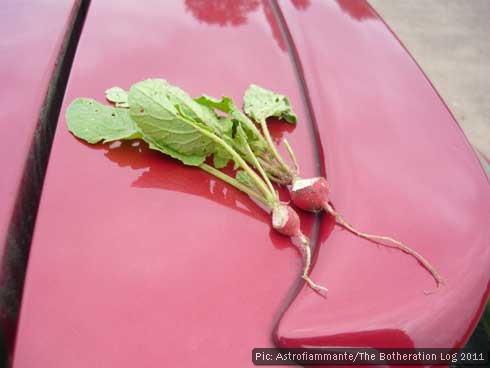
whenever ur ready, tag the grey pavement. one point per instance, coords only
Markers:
(450, 39)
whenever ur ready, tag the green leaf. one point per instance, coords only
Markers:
(243, 178)
(240, 141)
(93, 122)
(191, 160)
(227, 106)
(260, 104)
(118, 96)
(220, 162)
(188, 107)
(161, 113)
(221, 156)
(227, 125)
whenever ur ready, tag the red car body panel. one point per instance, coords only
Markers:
(137, 260)
(33, 35)
(398, 163)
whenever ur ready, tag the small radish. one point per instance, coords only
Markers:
(313, 195)
(286, 221)
(310, 194)
(307, 194)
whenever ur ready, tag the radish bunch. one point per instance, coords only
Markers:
(191, 131)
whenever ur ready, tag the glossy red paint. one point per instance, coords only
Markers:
(137, 260)
(397, 163)
(32, 36)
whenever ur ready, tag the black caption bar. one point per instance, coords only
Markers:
(362, 356)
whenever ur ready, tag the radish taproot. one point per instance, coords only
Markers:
(311, 194)
(285, 220)
(171, 122)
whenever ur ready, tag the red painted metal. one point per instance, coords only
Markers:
(398, 164)
(138, 261)
(32, 37)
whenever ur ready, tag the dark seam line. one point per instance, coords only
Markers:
(314, 136)
(303, 87)
(21, 226)
(317, 150)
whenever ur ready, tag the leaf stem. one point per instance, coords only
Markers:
(274, 173)
(240, 116)
(292, 155)
(232, 181)
(272, 146)
(258, 166)
(271, 197)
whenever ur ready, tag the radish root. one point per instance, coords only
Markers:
(395, 244)
(305, 244)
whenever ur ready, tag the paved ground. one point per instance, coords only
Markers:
(450, 39)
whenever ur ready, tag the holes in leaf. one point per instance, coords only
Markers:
(113, 114)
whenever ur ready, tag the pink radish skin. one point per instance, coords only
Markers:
(286, 221)
(310, 194)
(313, 195)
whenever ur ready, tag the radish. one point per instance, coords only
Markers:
(285, 221)
(307, 194)
(190, 131)
(313, 195)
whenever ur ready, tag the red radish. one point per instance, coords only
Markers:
(286, 221)
(313, 195)
(310, 194)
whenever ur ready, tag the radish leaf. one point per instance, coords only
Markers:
(161, 113)
(260, 104)
(220, 162)
(118, 96)
(93, 122)
(227, 106)
(185, 104)
(243, 178)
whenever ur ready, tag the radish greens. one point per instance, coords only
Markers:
(211, 133)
